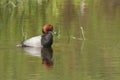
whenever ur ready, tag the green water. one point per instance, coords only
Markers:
(95, 58)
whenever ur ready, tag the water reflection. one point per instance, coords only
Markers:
(82, 9)
(45, 54)
(33, 51)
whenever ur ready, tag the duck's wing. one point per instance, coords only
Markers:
(32, 42)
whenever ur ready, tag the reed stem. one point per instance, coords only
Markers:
(82, 33)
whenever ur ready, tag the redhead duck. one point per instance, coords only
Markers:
(44, 40)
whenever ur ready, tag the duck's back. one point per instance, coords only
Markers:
(33, 42)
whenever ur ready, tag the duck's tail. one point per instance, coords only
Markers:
(20, 44)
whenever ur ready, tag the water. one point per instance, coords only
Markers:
(87, 46)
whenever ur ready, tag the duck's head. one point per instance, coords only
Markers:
(46, 28)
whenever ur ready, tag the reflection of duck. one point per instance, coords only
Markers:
(45, 40)
(45, 53)
(33, 51)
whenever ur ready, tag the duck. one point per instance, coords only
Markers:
(44, 40)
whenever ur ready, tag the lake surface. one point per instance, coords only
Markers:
(87, 46)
